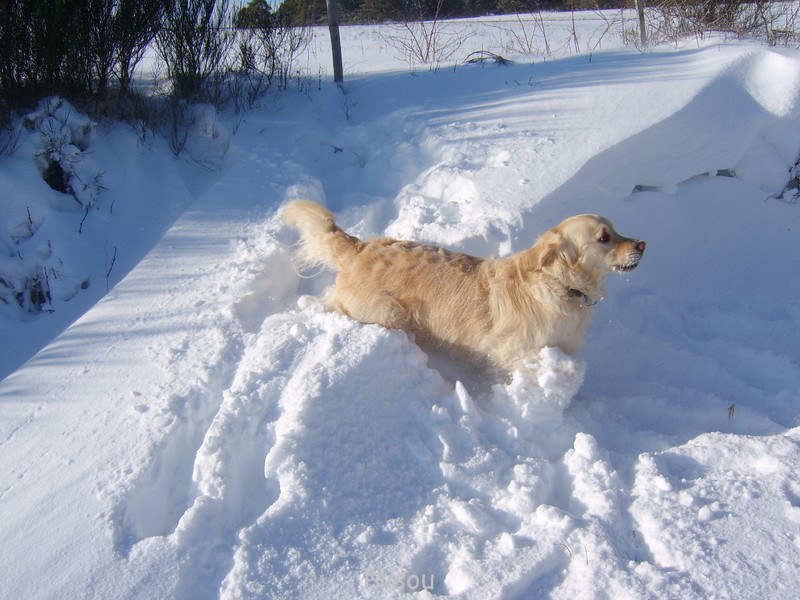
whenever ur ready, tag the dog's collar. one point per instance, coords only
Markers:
(580, 296)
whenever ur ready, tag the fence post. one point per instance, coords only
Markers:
(336, 44)
(642, 31)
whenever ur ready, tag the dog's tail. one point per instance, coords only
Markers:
(322, 242)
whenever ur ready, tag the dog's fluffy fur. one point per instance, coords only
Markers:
(504, 308)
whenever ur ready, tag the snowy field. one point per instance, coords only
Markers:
(183, 421)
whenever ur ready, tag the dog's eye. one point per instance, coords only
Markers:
(604, 238)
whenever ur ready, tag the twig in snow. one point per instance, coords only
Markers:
(110, 267)
(85, 215)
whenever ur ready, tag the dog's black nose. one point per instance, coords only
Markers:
(640, 245)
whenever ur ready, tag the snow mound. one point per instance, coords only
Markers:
(312, 457)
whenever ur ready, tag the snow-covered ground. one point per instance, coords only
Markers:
(204, 430)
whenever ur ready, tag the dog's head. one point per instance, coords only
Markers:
(580, 250)
(593, 242)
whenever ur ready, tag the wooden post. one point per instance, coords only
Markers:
(336, 44)
(642, 31)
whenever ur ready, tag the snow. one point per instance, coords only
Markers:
(194, 425)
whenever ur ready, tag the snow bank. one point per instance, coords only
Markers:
(62, 250)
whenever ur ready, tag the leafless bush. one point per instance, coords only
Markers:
(72, 48)
(776, 23)
(136, 27)
(265, 58)
(193, 43)
(528, 36)
(178, 123)
(610, 21)
(10, 131)
(426, 41)
(533, 34)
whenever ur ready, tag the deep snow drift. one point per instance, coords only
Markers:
(205, 430)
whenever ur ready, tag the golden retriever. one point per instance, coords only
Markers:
(503, 308)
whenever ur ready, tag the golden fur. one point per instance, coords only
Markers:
(504, 308)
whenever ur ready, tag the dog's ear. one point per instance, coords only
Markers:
(552, 247)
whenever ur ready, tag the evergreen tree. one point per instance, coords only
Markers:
(256, 15)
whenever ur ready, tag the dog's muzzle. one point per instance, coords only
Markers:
(633, 258)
